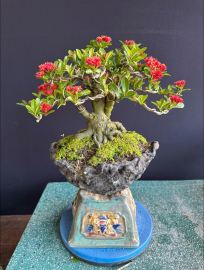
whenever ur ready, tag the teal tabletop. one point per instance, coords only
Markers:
(176, 208)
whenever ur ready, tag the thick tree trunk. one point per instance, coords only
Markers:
(99, 124)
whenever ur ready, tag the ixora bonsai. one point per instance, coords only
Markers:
(104, 159)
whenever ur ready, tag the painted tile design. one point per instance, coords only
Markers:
(103, 224)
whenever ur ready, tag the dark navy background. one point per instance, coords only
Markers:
(34, 32)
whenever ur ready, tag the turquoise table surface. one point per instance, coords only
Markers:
(176, 208)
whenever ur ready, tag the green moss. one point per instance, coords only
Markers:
(72, 149)
(69, 148)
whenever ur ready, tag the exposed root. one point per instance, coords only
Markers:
(105, 131)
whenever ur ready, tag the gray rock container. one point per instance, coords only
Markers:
(106, 179)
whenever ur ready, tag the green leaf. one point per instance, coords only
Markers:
(143, 98)
(65, 60)
(125, 84)
(116, 61)
(101, 50)
(91, 52)
(33, 105)
(108, 56)
(147, 71)
(84, 92)
(98, 71)
(60, 65)
(68, 68)
(94, 43)
(21, 104)
(78, 53)
(130, 93)
(88, 71)
(179, 106)
(38, 101)
(113, 87)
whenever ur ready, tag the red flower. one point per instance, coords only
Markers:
(39, 74)
(47, 67)
(86, 78)
(139, 64)
(104, 38)
(45, 107)
(72, 54)
(73, 89)
(180, 83)
(177, 99)
(156, 75)
(93, 61)
(162, 67)
(142, 53)
(47, 89)
(104, 54)
(29, 101)
(130, 42)
(134, 79)
(99, 39)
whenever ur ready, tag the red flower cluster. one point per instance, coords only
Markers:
(73, 89)
(153, 63)
(130, 42)
(86, 78)
(93, 61)
(180, 83)
(39, 74)
(104, 38)
(139, 64)
(47, 88)
(156, 67)
(156, 74)
(45, 107)
(177, 99)
(45, 68)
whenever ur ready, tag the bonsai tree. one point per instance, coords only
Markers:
(104, 78)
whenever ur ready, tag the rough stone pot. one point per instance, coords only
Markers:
(106, 179)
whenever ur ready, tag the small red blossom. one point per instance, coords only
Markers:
(104, 38)
(104, 54)
(177, 99)
(142, 53)
(72, 54)
(99, 39)
(106, 73)
(86, 78)
(74, 89)
(139, 64)
(47, 88)
(134, 79)
(39, 74)
(29, 101)
(130, 42)
(162, 67)
(45, 107)
(156, 75)
(93, 61)
(180, 83)
(47, 67)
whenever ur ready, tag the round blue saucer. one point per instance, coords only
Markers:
(109, 256)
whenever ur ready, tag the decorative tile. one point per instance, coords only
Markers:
(103, 224)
